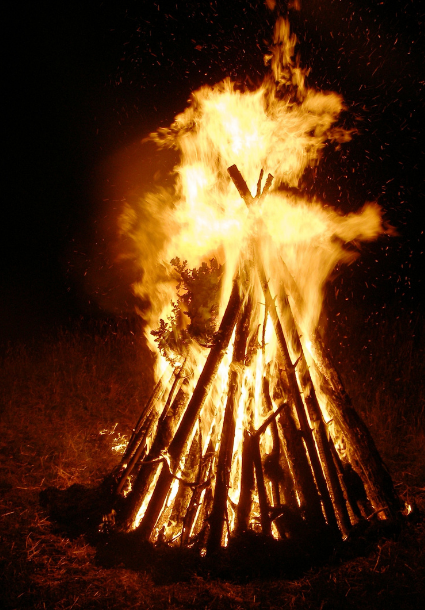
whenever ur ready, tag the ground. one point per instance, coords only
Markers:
(72, 395)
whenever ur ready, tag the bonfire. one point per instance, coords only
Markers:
(249, 430)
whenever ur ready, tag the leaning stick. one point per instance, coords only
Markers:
(224, 463)
(296, 454)
(290, 369)
(162, 437)
(204, 479)
(194, 407)
(247, 485)
(138, 429)
(261, 488)
(369, 464)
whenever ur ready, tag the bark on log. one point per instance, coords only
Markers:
(163, 424)
(298, 401)
(192, 411)
(136, 436)
(296, 454)
(203, 481)
(261, 488)
(150, 465)
(174, 512)
(319, 431)
(272, 465)
(247, 486)
(332, 496)
(288, 487)
(224, 464)
(353, 509)
(290, 369)
(370, 466)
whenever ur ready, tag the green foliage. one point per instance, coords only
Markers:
(199, 291)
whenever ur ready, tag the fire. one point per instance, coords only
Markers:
(280, 128)
(294, 242)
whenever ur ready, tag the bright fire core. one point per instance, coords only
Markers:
(280, 128)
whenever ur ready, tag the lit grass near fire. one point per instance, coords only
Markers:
(61, 393)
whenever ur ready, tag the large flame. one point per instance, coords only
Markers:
(280, 128)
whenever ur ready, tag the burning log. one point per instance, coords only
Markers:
(261, 489)
(307, 387)
(194, 508)
(148, 468)
(143, 422)
(219, 509)
(297, 456)
(289, 472)
(177, 445)
(164, 434)
(367, 463)
(247, 485)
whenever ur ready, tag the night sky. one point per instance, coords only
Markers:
(86, 81)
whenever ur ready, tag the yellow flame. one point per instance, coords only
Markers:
(280, 128)
(203, 216)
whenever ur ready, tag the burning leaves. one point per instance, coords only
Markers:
(194, 315)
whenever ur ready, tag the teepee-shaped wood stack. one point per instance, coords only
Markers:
(182, 485)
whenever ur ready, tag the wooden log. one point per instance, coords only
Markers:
(272, 466)
(247, 486)
(258, 183)
(296, 454)
(315, 413)
(261, 488)
(281, 397)
(240, 184)
(163, 424)
(367, 460)
(290, 369)
(175, 512)
(192, 411)
(138, 431)
(369, 464)
(289, 494)
(151, 464)
(333, 498)
(324, 467)
(353, 509)
(247, 466)
(298, 401)
(224, 463)
(203, 481)
(323, 447)
(202, 524)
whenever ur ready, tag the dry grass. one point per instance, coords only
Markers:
(59, 394)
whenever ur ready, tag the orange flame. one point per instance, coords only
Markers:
(280, 128)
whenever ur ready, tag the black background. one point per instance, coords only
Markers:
(84, 81)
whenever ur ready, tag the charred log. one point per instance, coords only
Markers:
(369, 464)
(224, 463)
(247, 485)
(178, 444)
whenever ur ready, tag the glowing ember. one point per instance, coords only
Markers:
(119, 441)
(252, 402)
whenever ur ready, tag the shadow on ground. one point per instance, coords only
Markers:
(79, 510)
